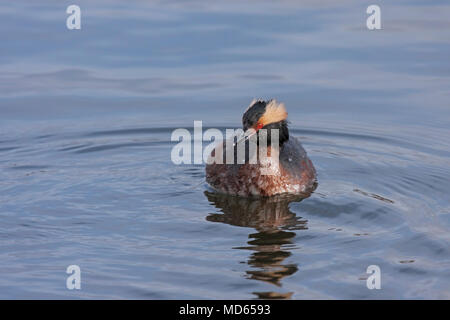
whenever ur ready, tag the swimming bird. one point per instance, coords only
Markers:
(286, 169)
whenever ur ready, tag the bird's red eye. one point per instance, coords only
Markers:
(259, 126)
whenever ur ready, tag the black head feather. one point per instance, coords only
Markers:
(253, 113)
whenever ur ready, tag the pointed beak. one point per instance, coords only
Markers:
(247, 134)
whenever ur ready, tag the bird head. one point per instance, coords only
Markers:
(265, 115)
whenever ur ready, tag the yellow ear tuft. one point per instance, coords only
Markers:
(275, 112)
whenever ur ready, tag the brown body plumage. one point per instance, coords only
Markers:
(294, 172)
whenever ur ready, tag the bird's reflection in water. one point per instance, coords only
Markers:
(275, 225)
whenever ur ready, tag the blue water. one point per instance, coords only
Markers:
(86, 178)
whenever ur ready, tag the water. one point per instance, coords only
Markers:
(85, 170)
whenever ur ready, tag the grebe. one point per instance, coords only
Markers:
(294, 174)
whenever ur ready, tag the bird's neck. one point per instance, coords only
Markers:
(283, 132)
